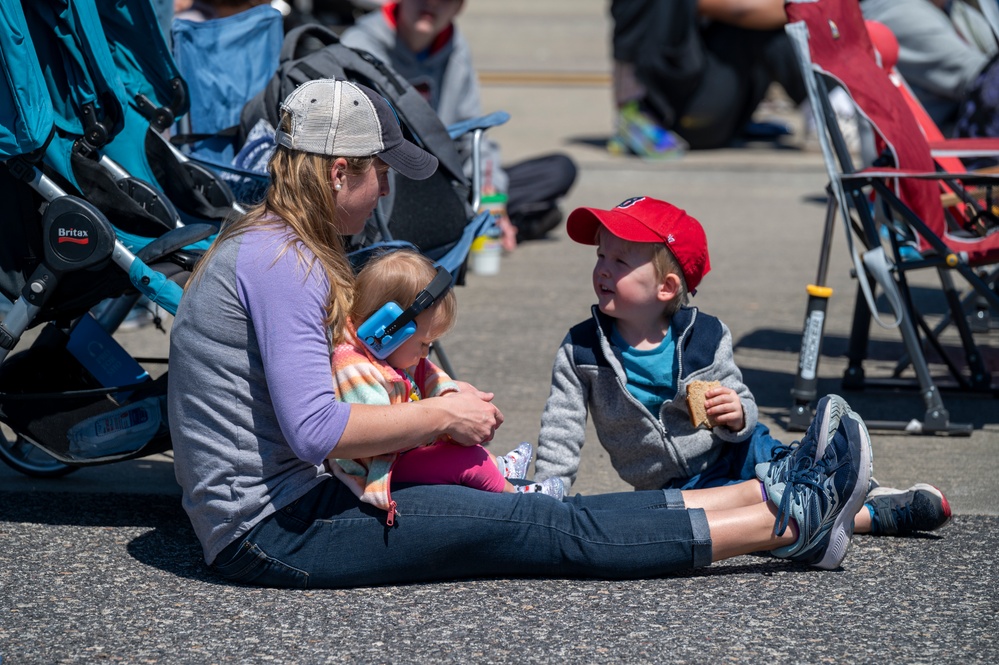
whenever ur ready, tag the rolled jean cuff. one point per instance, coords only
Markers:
(700, 537)
(674, 499)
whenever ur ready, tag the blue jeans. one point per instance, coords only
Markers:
(328, 538)
(737, 462)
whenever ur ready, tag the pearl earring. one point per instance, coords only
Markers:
(337, 186)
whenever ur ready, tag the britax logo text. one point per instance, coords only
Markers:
(76, 236)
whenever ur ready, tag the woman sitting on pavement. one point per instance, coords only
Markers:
(253, 415)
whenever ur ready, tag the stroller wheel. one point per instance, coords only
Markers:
(27, 458)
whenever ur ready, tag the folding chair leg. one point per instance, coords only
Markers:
(936, 418)
(856, 350)
(981, 379)
(806, 379)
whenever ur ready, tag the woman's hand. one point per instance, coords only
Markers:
(725, 407)
(472, 419)
(466, 387)
(467, 417)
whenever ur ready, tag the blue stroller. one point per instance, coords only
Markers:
(81, 227)
(91, 219)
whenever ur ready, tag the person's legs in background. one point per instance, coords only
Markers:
(642, 29)
(740, 66)
(535, 188)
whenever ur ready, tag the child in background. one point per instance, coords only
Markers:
(420, 41)
(406, 375)
(631, 364)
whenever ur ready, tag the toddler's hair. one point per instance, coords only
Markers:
(664, 263)
(399, 276)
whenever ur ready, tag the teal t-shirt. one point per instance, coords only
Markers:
(651, 373)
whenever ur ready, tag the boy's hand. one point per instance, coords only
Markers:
(725, 407)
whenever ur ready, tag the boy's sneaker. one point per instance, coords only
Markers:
(828, 414)
(900, 512)
(515, 463)
(552, 487)
(640, 134)
(823, 496)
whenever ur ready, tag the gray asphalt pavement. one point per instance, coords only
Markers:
(102, 566)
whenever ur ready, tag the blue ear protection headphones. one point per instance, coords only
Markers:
(385, 330)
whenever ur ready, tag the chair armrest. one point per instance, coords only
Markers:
(494, 119)
(979, 147)
(982, 177)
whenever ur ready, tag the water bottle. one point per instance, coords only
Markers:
(126, 429)
(487, 249)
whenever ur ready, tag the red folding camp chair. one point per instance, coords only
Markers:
(895, 219)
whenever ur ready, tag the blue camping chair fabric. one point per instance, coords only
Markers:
(220, 81)
(219, 87)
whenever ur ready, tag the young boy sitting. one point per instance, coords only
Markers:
(632, 366)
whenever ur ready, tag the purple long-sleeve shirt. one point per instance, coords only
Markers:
(251, 403)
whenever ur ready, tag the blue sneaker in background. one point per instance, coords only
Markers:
(640, 134)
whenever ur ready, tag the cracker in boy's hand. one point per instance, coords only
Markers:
(695, 403)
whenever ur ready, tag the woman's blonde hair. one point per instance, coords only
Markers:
(399, 276)
(300, 198)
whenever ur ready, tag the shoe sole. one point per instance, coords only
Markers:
(835, 407)
(944, 503)
(842, 529)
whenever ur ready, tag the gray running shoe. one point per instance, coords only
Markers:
(824, 495)
(900, 512)
(828, 414)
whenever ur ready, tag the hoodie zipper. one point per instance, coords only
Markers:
(390, 520)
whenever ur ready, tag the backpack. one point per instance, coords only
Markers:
(312, 52)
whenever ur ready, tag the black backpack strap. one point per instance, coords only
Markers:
(414, 111)
(292, 47)
(334, 60)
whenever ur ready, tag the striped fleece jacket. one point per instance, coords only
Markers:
(360, 378)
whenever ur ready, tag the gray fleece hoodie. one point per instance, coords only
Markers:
(646, 450)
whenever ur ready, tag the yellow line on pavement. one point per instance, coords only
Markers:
(545, 78)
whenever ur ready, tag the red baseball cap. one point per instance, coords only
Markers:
(644, 219)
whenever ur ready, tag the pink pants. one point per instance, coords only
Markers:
(446, 463)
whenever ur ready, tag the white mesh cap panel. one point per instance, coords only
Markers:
(332, 118)
(358, 132)
(344, 119)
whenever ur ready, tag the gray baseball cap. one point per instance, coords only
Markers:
(344, 119)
